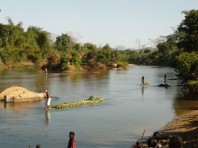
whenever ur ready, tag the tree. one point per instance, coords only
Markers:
(40, 39)
(90, 46)
(64, 42)
(187, 65)
(75, 60)
(64, 62)
(188, 31)
(4, 35)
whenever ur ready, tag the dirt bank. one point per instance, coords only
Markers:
(185, 126)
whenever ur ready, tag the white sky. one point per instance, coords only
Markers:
(117, 22)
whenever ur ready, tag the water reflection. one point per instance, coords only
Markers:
(5, 104)
(18, 107)
(25, 79)
(142, 91)
(47, 117)
(185, 101)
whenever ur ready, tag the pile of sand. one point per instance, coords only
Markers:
(20, 94)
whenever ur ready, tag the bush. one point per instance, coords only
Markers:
(187, 65)
(122, 65)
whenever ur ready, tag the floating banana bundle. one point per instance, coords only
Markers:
(145, 84)
(91, 100)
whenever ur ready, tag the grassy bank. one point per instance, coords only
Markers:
(193, 85)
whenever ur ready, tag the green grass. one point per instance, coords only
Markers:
(193, 83)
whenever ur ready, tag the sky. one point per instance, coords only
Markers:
(119, 23)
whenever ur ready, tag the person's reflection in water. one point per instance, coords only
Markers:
(5, 105)
(47, 117)
(142, 91)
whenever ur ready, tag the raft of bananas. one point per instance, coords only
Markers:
(90, 100)
(145, 84)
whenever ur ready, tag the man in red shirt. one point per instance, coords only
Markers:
(72, 141)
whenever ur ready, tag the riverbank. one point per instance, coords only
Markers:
(185, 126)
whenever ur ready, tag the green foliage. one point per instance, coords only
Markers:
(39, 39)
(193, 85)
(75, 59)
(89, 46)
(1, 65)
(18, 45)
(89, 59)
(187, 65)
(64, 42)
(122, 64)
(188, 31)
(35, 45)
(5, 56)
(64, 62)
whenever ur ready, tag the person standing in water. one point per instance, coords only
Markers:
(46, 70)
(48, 99)
(165, 78)
(72, 141)
(142, 80)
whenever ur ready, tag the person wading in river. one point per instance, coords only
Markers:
(47, 98)
(142, 80)
(165, 78)
(72, 141)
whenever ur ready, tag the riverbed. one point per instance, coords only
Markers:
(127, 109)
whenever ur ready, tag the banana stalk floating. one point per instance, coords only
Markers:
(145, 84)
(91, 100)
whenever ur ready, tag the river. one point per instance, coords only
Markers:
(127, 109)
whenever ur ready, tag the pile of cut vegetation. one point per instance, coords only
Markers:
(91, 100)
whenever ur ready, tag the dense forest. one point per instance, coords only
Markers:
(36, 46)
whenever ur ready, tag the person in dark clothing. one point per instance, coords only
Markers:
(152, 142)
(38, 146)
(157, 136)
(175, 142)
(142, 80)
(72, 141)
(165, 78)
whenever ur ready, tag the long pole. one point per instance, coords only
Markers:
(143, 134)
